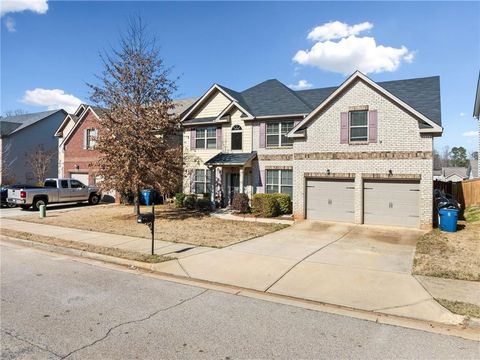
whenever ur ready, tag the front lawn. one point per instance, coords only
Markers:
(171, 224)
(450, 255)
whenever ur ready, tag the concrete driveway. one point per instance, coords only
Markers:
(362, 267)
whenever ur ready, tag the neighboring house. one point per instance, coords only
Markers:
(454, 174)
(77, 136)
(472, 171)
(23, 134)
(360, 152)
(476, 113)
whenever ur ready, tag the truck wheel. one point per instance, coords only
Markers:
(94, 199)
(11, 205)
(38, 202)
(24, 207)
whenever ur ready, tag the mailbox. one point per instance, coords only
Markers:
(145, 218)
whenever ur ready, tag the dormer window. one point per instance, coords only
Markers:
(237, 136)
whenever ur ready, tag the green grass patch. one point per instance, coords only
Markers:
(461, 308)
(472, 213)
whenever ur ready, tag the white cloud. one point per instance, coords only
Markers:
(473, 133)
(52, 99)
(10, 24)
(301, 85)
(337, 30)
(351, 52)
(11, 6)
(462, 114)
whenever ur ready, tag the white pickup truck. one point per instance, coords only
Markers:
(54, 191)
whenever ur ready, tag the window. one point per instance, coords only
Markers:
(237, 137)
(280, 181)
(358, 126)
(206, 138)
(277, 134)
(202, 181)
(91, 140)
(50, 184)
(75, 184)
(64, 184)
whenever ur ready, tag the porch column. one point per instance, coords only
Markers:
(213, 186)
(241, 180)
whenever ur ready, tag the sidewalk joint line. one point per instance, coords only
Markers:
(181, 266)
(401, 306)
(306, 257)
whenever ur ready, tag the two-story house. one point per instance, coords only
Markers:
(360, 152)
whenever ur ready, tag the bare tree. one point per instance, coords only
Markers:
(39, 160)
(7, 164)
(446, 156)
(137, 122)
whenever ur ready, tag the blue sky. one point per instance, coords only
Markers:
(55, 46)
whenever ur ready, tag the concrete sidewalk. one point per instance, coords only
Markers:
(365, 268)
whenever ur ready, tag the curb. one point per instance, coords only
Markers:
(469, 330)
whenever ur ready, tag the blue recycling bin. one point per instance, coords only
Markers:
(147, 196)
(448, 219)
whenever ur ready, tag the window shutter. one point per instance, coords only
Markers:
(193, 138)
(261, 179)
(372, 126)
(262, 135)
(344, 128)
(219, 138)
(192, 182)
(85, 134)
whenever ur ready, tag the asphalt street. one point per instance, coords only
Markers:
(55, 307)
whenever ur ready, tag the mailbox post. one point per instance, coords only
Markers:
(149, 220)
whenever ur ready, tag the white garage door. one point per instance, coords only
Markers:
(82, 177)
(330, 200)
(392, 203)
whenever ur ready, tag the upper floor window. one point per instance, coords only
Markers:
(358, 126)
(277, 133)
(206, 138)
(91, 138)
(237, 135)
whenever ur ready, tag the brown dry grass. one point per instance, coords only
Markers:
(450, 255)
(461, 308)
(120, 253)
(171, 224)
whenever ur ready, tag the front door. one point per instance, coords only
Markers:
(234, 185)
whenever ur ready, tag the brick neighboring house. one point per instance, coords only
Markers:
(76, 142)
(22, 134)
(360, 152)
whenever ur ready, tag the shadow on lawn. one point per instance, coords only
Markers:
(169, 214)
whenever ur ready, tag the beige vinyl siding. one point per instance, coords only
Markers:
(68, 128)
(213, 106)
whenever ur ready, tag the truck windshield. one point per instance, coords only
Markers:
(50, 183)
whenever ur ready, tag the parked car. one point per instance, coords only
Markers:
(54, 191)
(4, 193)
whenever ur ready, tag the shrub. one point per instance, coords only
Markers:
(265, 205)
(190, 201)
(204, 204)
(241, 203)
(284, 203)
(179, 198)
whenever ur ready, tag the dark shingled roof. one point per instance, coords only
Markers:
(271, 97)
(236, 159)
(206, 120)
(11, 124)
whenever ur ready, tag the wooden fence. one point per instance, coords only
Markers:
(466, 192)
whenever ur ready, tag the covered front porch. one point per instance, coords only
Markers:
(232, 173)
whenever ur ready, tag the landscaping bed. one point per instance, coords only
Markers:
(172, 224)
(450, 255)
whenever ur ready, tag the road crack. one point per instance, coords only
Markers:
(9, 333)
(133, 322)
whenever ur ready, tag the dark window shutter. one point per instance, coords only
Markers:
(193, 137)
(219, 138)
(262, 135)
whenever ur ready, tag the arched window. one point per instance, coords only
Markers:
(237, 137)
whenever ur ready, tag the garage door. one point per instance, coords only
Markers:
(82, 177)
(392, 203)
(330, 200)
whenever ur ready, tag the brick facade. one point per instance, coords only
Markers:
(77, 159)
